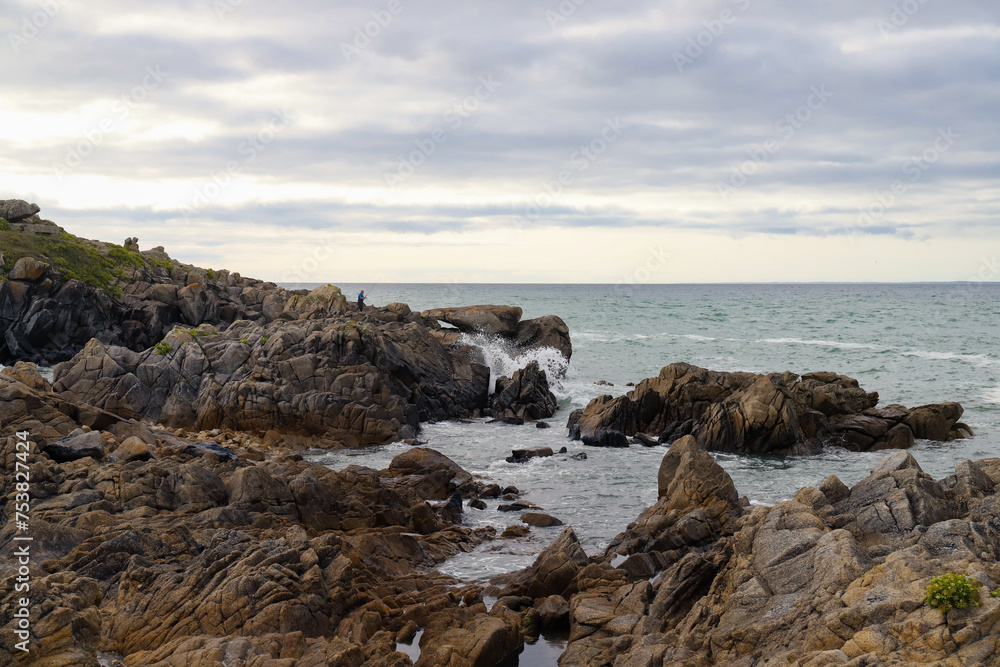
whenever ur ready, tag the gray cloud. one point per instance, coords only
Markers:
(688, 129)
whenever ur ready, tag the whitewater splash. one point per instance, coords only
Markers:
(503, 358)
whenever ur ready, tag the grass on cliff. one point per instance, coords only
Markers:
(75, 258)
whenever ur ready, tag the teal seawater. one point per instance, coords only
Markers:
(913, 343)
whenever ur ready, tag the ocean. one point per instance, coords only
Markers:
(912, 343)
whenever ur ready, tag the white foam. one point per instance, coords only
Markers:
(992, 395)
(697, 337)
(824, 343)
(503, 358)
(979, 359)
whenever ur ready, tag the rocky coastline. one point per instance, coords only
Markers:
(175, 521)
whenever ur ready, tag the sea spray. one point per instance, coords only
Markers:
(503, 358)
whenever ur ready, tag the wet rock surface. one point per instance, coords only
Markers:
(779, 413)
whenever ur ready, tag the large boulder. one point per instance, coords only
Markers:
(525, 394)
(495, 320)
(28, 269)
(77, 445)
(321, 302)
(552, 572)
(15, 210)
(697, 504)
(934, 422)
(546, 331)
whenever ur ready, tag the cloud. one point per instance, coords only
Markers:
(723, 131)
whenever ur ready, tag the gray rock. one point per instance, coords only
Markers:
(76, 445)
(14, 210)
(605, 437)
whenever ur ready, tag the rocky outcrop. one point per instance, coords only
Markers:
(505, 323)
(343, 382)
(835, 576)
(131, 299)
(780, 413)
(169, 555)
(525, 395)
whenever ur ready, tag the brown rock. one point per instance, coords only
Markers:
(28, 269)
(134, 449)
(539, 520)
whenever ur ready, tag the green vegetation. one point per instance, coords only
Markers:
(244, 341)
(996, 593)
(75, 258)
(4, 225)
(211, 275)
(263, 341)
(953, 591)
(163, 347)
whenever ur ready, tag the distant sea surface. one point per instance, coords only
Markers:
(912, 343)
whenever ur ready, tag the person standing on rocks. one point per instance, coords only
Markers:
(361, 300)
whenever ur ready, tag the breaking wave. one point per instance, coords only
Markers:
(504, 357)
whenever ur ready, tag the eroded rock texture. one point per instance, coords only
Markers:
(779, 413)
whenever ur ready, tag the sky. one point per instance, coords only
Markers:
(541, 141)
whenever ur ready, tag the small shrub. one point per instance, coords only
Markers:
(211, 275)
(953, 591)
(163, 347)
(244, 341)
(263, 341)
(996, 593)
(4, 225)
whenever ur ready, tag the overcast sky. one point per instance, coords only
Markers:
(516, 141)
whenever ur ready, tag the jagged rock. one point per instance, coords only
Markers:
(495, 320)
(828, 578)
(778, 413)
(27, 373)
(551, 573)
(525, 394)
(359, 383)
(546, 331)
(697, 503)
